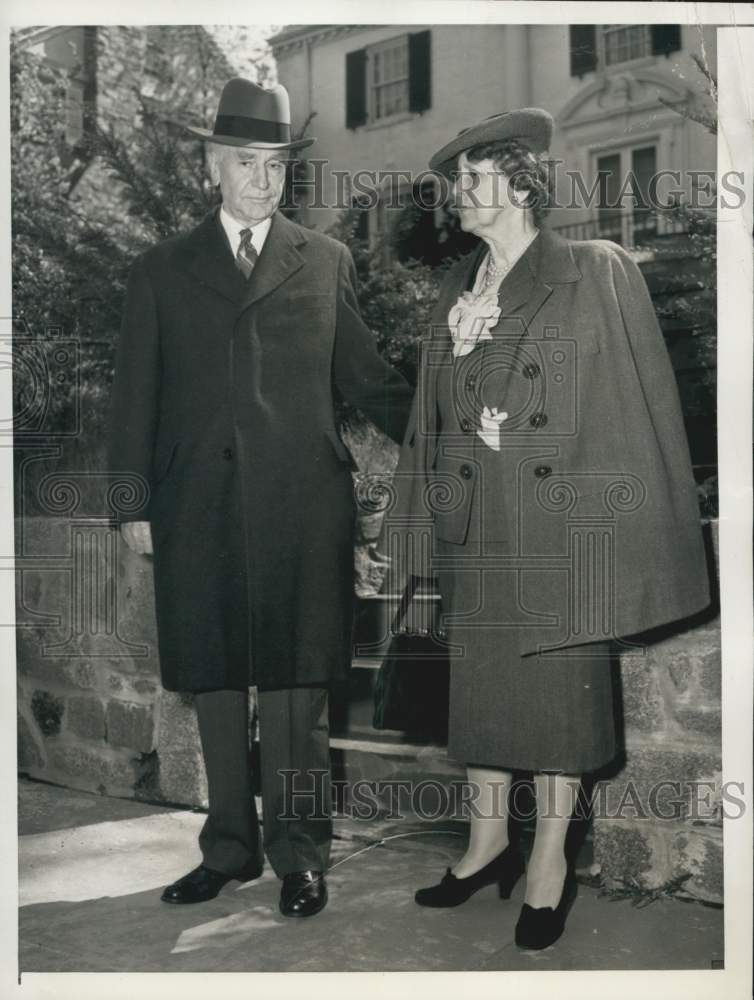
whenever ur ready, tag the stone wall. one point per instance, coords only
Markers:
(658, 824)
(93, 716)
(91, 713)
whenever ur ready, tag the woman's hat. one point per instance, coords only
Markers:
(530, 126)
(248, 115)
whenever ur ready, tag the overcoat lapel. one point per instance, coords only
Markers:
(279, 260)
(209, 258)
(546, 263)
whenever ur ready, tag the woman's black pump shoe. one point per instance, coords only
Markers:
(505, 869)
(539, 927)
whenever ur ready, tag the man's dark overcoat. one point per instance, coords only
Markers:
(224, 405)
(588, 511)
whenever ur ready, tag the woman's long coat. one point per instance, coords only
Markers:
(592, 512)
(223, 408)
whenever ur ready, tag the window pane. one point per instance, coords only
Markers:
(390, 99)
(623, 44)
(403, 61)
(643, 166)
(387, 68)
(608, 169)
(609, 209)
(389, 78)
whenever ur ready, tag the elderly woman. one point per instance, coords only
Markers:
(545, 483)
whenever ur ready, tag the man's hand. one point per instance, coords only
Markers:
(138, 537)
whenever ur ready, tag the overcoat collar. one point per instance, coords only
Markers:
(548, 261)
(207, 255)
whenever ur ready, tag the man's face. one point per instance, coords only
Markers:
(251, 180)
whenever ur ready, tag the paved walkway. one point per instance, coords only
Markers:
(92, 869)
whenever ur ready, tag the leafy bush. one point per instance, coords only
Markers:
(396, 299)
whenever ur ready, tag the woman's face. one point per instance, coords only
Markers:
(481, 195)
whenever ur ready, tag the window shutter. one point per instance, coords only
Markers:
(356, 88)
(583, 44)
(666, 38)
(419, 71)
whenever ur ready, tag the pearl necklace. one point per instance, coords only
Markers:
(494, 274)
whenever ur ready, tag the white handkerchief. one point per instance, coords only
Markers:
(490, 430)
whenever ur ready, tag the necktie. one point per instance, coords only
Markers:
(246, 256)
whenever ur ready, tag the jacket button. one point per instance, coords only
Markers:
(466, 425)
(538, 419)
(470, 381)
(227, 453)
(466, 471)
(532, 370)
(542, 470)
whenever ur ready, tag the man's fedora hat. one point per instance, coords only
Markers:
(248, 115)
(530, 126)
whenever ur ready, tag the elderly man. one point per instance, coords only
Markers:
(235, 337)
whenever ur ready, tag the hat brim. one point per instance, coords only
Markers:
(233, 140)
(530, 126)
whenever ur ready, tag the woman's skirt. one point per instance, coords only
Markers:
(540, 712)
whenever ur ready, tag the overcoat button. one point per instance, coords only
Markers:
(538, 419)
(542, 470)
(532, 370)
(466, 471)
(227, 453)
(466, 424)
(470, 381)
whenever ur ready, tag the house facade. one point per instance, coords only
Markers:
(385, 97)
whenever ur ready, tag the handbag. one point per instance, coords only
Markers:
(412, 685)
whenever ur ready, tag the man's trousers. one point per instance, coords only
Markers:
(295, 781)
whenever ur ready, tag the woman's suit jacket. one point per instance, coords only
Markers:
(599, 531)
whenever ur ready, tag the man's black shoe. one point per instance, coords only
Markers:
(202, 884)
(303, 894)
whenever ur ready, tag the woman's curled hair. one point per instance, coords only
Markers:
(525, 170)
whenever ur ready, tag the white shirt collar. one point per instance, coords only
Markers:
(233, 231)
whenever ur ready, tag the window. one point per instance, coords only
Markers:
(595, 46)
(388, 75)
(626, 42)
(609, 210)
(388, 79)
(624, 210)
(643, 167)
